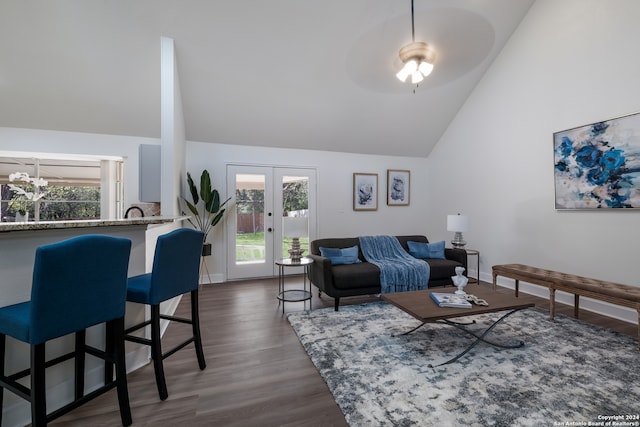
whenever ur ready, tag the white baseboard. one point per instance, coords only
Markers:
(215, 278)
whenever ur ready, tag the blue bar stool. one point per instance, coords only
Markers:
(77, 283)
(176, 271)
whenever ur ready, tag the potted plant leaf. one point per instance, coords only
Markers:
(205, 215)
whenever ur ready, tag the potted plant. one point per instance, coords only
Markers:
(30, 192)
(207, 214)
(20, 206)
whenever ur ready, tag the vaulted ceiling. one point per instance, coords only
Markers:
(281, 73)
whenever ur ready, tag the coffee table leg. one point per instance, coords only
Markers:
(447, 321)
(414, 329)
(452, 323)
(479, 337)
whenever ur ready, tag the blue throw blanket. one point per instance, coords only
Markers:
(399, 271)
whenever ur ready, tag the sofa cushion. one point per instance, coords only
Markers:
(340, 256)
(427, 250)
(354, 276)
(405, 239)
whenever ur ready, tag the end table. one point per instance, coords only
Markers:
(294, 295)
(476, 253)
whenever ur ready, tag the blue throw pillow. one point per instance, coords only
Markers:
(340, 256)
(427, 250)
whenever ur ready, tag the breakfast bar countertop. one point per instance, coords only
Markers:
(51, 225)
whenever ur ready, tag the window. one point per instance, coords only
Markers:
(74, 187)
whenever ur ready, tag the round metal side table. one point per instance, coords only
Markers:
(294, 295)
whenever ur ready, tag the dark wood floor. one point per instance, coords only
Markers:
(257, 372)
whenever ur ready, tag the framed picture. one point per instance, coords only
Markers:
(398, 189)
(365, 191)
(597, 166)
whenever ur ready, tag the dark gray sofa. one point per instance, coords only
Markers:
(364, 278)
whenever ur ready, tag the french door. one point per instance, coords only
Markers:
(263, 195)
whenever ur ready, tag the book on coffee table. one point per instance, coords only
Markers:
(450, 300)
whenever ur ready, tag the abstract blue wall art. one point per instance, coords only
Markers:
(597, 166)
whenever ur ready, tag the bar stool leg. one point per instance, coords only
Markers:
(195, 326)
(109, 348)
(80, 363)
(3, 339)
(156, 352)
(115, 330)
(38, 387)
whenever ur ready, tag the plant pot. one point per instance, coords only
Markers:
(22, 218)
(206, 249)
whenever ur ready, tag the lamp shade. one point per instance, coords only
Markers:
(295, 226)
(457, 223)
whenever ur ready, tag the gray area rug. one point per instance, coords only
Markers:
(568, 373)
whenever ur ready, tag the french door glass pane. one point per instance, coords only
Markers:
(250, 238)
(295, 202)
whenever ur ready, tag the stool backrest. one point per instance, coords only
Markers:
(77, 283)
(176, 264)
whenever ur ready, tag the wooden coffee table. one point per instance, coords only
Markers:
(420, 305)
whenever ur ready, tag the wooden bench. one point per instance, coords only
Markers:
(615, 293)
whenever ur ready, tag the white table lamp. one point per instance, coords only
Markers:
(458, 224)
(295, 227)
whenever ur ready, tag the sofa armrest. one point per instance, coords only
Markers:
(320, 271)
(455, 254)
(320, 261)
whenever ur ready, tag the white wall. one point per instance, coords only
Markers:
(336, 217)
(569, 63)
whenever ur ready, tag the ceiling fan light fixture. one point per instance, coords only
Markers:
(418, 58)
(425, 68)
(416, 77)
(402, 74)
(410, 67)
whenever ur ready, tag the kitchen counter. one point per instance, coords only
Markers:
(55, 225)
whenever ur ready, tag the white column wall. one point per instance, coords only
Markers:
(172, 129)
